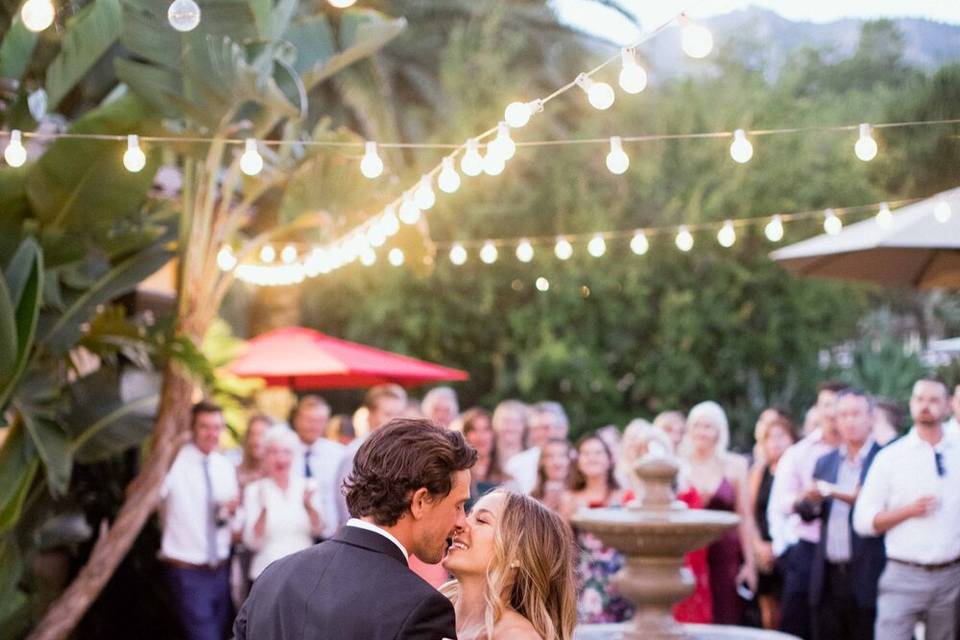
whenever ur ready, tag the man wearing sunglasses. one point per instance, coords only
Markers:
(912, 494)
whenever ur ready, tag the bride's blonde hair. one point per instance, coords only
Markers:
(531, 570)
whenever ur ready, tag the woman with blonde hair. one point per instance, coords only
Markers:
(512, 565)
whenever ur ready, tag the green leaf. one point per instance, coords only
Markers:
(9, 345)
(14, 618)
(88, 37)
(16, 50)
(52, 445)
(123, 278)
(20, 268)
(24, 276)
(14, 207)
(81, 185)
(18, 466)
(127, 425)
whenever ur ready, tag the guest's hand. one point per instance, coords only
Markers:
(232, 505)
(748, 576)
(923, 507)
(765, 557)
(812, 494)
(308, 499)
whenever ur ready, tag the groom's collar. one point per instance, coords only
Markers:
(355, 526)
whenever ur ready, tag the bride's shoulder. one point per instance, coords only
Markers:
(513, 626)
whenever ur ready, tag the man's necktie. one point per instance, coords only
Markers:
(307, 473)
(212, 556)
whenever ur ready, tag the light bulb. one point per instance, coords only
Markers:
(267, 254)
(37, 15)
(225, 259)
(831, 223)
(375, 234)
(458, 255)
(617, 160)
(774, 229)
(15, 154)
(251, 163)
(424, 197)
(866, 147)
(449, 179)
(563, 249)
(368, 257)
(488, 253)
(493, 162)
(727, 234)
(371, 166)
(390, 223)
(517, 114)
(696, 40)
(524, 251)
(542, 284)
(633, 78)
(503, 144)
(183, 15)
(597, 246)
(942, 212)
(885, 216)
(741, 150)
(289, 254)
(472, 163)
(684, 239)
(341, 4)
(409, 212)
(639, 243)
(134, 159)
(600, 94)
(395, 257)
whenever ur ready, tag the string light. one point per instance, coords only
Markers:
(518, 114)
(542, 284)
(267, 254)
(695, 40)
(942, 212)
(597, 246)
(633, 77)
(341, 4)
(866, 146)
(391, 225)
(524, 251)
(617, 160)
(493, 162)
(503, 145)
(458, 255)
(251, 163)
(15, 153)
(831, 223)
(727, 235)
(368, 257)
(884, 216)
(563, 249)
(684, 239)
(600, 94)
(375, 234)
(271, 276)
(395, 257)
(774, 229)
(37, 15)
(225, 259)
(371, 166)
(134, 159)
(488, 254)
(639, 243)
(183, 15)
(741, 150)
(424, 197)
(409, 212)
(472, 163)
(289, 254)
(449, 179)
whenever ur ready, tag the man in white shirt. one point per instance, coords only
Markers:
(318, 458)
(910, 494)
(952, 426)
(440, 406)
(198, 497)
(546, 420)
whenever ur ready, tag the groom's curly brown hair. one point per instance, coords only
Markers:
(399, 458)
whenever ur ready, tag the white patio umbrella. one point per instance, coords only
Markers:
(919, 248)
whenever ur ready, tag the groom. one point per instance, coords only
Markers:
(406, 494)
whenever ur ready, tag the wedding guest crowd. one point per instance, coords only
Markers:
(852, 531)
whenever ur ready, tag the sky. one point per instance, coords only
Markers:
(594, 18)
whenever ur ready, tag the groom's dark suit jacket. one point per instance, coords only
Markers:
(355, 586)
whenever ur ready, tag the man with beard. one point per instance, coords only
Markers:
(910, 494)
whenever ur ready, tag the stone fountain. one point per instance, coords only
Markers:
(653, 534)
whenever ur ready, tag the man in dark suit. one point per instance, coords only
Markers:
(847, 567)
(406, 493)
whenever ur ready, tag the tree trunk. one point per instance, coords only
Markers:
(172, 422)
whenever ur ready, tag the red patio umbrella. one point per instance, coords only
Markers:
(304, 359)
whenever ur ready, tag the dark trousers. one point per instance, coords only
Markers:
(203, 601)
(837, 615)
(795, 611)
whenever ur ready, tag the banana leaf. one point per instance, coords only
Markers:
(18, 467)
(21, 293)
(16, 50)
(51, 443)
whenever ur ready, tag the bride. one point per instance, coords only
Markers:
(513, 572)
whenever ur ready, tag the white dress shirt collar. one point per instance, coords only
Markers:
(363, 524)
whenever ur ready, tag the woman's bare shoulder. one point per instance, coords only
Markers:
(513, 626)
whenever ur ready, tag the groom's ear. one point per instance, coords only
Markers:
(418, 502)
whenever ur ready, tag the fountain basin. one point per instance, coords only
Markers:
(695, 631)
(655, 534)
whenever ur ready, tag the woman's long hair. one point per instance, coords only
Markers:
(495, 472)
(578, 481)
(531, 570)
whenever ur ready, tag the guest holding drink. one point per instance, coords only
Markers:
(553, 472)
